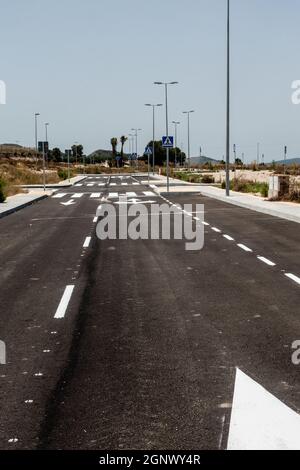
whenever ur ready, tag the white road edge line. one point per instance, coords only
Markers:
(266, 261)
(293, 277)
(244, 247)
(63, 305)
(87, 242)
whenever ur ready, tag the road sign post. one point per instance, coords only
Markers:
(148, 152)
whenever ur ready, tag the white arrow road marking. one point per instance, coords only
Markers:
(63, 305)
(134, 201)
(59, 195)
(259, 421)
(69, 203)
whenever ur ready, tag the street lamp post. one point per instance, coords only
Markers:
(136, 142)
(228, 104)
(189, 149)
(46, 135)
(153, 135)
(176, 123)
(167, 127)
(36, 136)
(131, 137)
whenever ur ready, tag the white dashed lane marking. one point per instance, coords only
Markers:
(215, 229)
(77, 195)
(94, 195)
(228, 237)
(63, 305)
(244, 247)
(87, 242)
(266, 261)
(293, 277)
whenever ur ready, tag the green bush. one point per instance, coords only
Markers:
(2, 194)
(207, 179)
(62, 173)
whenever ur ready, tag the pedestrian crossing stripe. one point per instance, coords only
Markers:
(129, 194)
(59, 195)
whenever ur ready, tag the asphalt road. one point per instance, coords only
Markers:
(145, 353)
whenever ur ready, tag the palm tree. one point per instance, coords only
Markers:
(114, 144)
(123, 139)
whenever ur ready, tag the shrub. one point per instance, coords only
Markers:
(2, 194)
(207, 179)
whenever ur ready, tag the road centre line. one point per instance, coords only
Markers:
(293, 277)
(63, 305)
(244, 247)
(87, 242)
(266, 261)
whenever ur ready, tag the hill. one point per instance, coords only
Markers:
(289, 161)
(202, 160)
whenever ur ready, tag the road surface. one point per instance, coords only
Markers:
(124, 344)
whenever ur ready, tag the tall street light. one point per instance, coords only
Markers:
(167, 126)
(176, 123)
(153, 137)
(228, 104)
(189, 149)
(36, 136)
(46, 135)
(46, 130)
(136, 141)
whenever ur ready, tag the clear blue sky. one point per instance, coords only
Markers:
(88, 68)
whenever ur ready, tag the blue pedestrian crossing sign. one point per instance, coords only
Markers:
(168, 141)
(148, 151)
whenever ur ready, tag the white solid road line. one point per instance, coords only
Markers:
(76, 195)
(59, 195)
(63, 305)
(266, 261)
(244, 247)
(215, 229)
(95, 195)
(293, 277)
(228, 238)
(87, 242)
